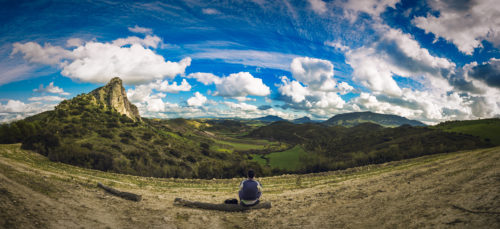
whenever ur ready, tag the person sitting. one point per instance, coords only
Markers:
(250, 190)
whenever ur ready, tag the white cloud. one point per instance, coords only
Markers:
(305, 98)
(74, 42)
(138, 29)
(205, 78)
(171, 88)
(248, 57)
(241, 106)
(372, 71)
(395, 53)
(293, 89)
(372, 7)
(155, 105)
(240, 85)
(314, 88)
(210, 11)
(99, 62)
(15, 106)
(49, 98)
(13, 71)
(48, 54)
(315, 73)
(139, 94)
(148, 41)
(197, 100)
(16, 110)
(337, 45)
(464, 24)
(318, 6)
(50, 89)
(344, 88)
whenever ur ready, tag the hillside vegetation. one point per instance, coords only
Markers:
(460, 189)
(103, 130)
(488, 129)
(337, 147)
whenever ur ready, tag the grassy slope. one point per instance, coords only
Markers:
(288, 159)
(430, 191)
(486, 128)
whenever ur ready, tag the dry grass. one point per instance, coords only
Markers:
(448, 190)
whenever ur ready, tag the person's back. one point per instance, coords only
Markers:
(250, 190)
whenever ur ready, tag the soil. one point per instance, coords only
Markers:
(459, 190)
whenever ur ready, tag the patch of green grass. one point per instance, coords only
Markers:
(486, 128)
(288, 159)
(243, 145)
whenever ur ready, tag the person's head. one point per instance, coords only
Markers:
(251, 173)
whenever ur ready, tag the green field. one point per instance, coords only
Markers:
(234, 144)
(288, 159)
(486, 128)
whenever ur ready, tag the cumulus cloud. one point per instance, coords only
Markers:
(74, 42)
(205, 78)
(240, 85)
(318, 6)
(164, 86)
(16, 110)
(241, 106)
(197, 100)
(466, 23)
(138, 29)
(396, 53)
(129, 58)
(488, 72)
(46, 54)
(139, 94)
(236, 85)
(49, 98)
(50, 89)
(303, 98)
(315, 73)
(314, 87)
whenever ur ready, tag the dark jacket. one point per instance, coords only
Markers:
(250, 190)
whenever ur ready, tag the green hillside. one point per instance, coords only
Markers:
(288, 160)
(488, 129)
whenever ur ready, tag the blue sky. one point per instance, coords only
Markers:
(430, 60)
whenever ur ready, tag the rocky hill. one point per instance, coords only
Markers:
(355, 118)
(113, 95)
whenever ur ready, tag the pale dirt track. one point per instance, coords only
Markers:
(459, 190)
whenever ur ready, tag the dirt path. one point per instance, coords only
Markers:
(456, 190)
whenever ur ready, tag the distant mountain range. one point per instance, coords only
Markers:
(356, 118)
(351, 119)
(270, 118)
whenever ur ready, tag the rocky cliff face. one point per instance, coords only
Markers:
(113, 95)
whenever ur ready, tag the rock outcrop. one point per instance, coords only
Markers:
(113, 95)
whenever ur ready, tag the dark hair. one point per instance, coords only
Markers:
(251, 173)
